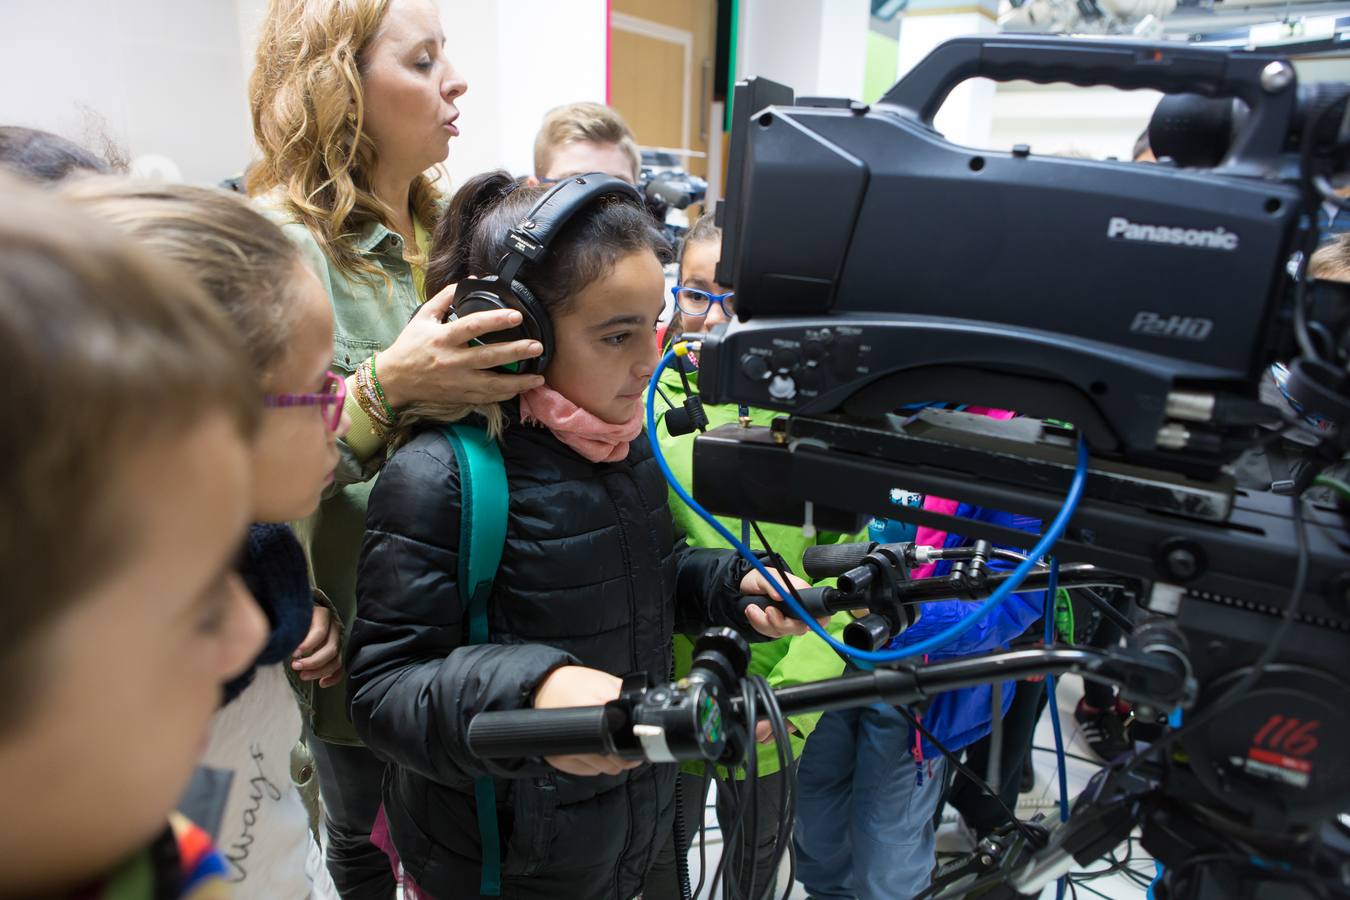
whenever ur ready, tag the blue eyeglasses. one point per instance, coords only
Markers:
(693, 302)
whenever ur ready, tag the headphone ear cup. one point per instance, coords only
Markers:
(474, 296)
(536, 324)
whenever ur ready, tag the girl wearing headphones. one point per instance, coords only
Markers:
(593, 577)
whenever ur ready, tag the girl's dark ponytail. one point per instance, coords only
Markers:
(451, 245)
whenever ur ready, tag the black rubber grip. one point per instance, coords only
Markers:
(829, 560)
(517, 733)
(816, 601)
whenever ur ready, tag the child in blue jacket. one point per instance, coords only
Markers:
(869, 784)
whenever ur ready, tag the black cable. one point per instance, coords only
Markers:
(677, 834)
(786, 816)
(1250, 840)
(750, 839)
(1301, 297)
(1258, 668)
(1323, 333)
(1031, 837)
(1095, 762)
(776, 722)
(790, 802)
(1140, 878)
(778, 728)
(787, 797)
(1106, 609)
(726, 788)
(662, 394)
(730, 838)
(776, 561)
(1116, 865)
(789, 778)
(787, 802)
(1092, 890)
(684, 378)
(788, 763)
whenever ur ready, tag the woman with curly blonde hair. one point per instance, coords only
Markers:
(353, 102)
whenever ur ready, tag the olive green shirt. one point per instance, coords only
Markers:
(368, 315)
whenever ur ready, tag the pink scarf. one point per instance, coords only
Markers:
(587, 434)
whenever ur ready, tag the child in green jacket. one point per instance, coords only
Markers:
(700, 304)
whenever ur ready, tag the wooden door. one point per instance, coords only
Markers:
(661, 73)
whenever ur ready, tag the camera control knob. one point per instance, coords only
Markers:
(784, 361)
(782, 387)
(844, 357)
(756, 368)
(810, 376)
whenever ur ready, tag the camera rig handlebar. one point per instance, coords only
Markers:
(875, 577)
(700, 717)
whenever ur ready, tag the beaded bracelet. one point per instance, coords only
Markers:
(379, 391)
(381, 409)
(378, 428)
(369, 401)
(360, 391)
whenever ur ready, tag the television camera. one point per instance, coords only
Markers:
(880, 268)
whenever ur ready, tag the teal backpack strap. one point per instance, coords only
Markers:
(482, 532)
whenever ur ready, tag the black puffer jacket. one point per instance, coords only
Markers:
(593, 572)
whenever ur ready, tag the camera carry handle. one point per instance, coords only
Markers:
(1266, 83)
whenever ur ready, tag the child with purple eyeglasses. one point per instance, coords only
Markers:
(243, 791)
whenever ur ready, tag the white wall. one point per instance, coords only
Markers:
(965, 116)
(521, 59)
(168, 78)
(1051, 118)
(162, 77)
(815, 47)
(843, 48)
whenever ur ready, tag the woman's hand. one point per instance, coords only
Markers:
(579, 686)
(432, 361)
(770, 621)
(317, 657)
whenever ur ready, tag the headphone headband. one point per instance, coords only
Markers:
(530, 239)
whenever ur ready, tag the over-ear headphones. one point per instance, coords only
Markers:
(529, 240)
